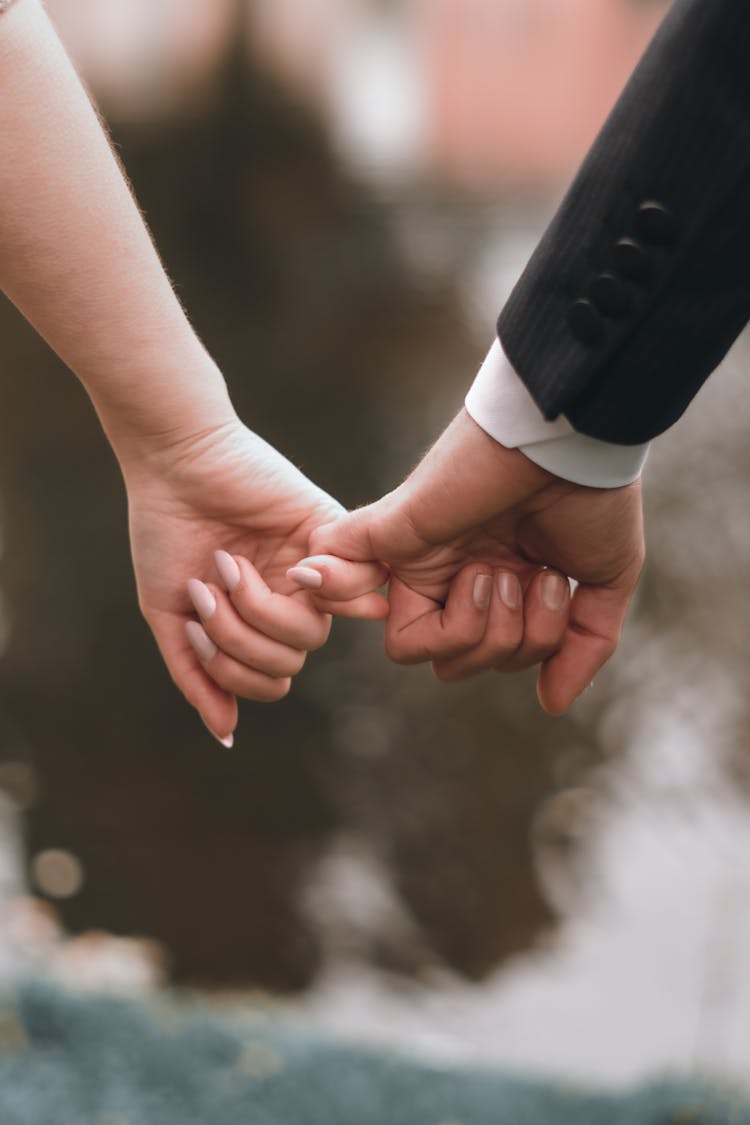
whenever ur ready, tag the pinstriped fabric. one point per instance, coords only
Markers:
(680, 133)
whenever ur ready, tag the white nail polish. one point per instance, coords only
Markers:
(305, 576)
(203, 646)
(228, 741)
(229, 571)
(202, 598)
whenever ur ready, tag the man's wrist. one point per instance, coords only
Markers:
(585, 460)
(463, 480)
(499, 402)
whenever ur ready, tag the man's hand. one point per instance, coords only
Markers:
(473, 509)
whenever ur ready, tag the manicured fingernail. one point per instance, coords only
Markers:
(202, 598)
(204, 647)
(228, 741)
(229, 572)
(554, 591)
(509, 589)
(482, 590)
(305, 576)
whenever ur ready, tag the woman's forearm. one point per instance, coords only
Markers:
(75, 255)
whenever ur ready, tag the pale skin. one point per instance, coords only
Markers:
(78, 261)
(465, 536)
(472, 511)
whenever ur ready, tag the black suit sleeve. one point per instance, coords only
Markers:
(642, 281)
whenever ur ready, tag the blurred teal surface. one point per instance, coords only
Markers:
(70, 1060)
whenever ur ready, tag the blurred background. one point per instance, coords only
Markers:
(344, 192)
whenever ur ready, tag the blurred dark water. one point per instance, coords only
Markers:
(339, 351)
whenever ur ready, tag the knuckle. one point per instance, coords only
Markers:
(256, 686)
(278, 690)
(224, 678)
(504, 649)
(320, 634)
(247, 601)
(295, 664)
(540, 653)
(399, 652)
(453, 650)
(319, 541)
(455, 641)
(503, 645)
(602, 648)
(537, 645)
(395, 649)
(452, 673)
(465, 637)
(519, 661)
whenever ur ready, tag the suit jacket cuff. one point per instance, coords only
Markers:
(499, 402)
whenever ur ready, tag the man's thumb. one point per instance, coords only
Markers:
(348, 537)
(342, 569)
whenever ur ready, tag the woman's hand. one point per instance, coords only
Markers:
(78, 261)
(232, 623)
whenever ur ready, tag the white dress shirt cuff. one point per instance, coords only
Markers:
(499, 402)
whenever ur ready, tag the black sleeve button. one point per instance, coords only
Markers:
(610, 294)
(632, 260)
(585, 322)
(655, 223)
